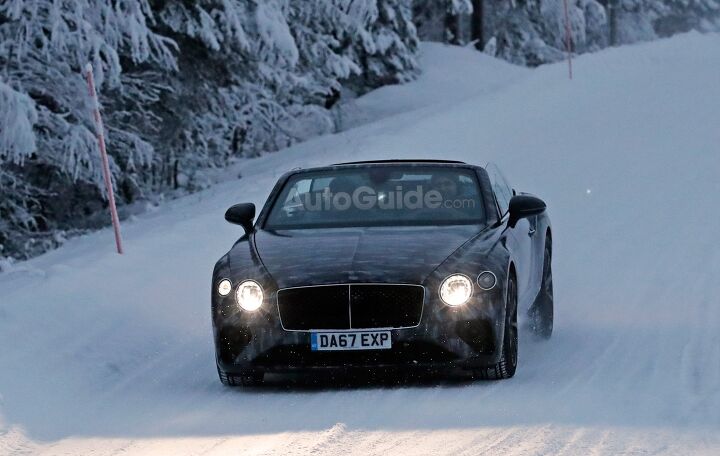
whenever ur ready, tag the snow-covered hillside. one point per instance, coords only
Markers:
(109, 354)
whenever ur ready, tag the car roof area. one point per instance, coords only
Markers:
(404, 160)
(389, 162)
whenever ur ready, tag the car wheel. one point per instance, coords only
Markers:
(246, 379)
(505, 368)
(542, 315)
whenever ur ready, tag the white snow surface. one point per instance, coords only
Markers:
(107, 354)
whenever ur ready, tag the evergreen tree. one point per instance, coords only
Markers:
(676, 16)
(390, 56)
(442, 20)
(185, 86)
(17, 143)
(43, 46)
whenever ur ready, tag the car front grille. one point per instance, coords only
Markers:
(350, 306)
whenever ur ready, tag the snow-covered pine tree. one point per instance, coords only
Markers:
(676, 16)
(389, 55)
(532, 32)
(235, 58)
(519, 31)
(17, 142)
(445, 20)
(43, 46)
(185, 86)
(330, 36)
(274, 66)
(630, 21)
(256, 76)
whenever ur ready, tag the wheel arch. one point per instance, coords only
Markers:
(511, 271)
(548, 240)
(511, 274)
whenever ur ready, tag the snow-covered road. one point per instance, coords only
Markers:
(104, 354)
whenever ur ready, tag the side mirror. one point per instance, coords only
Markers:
(522, 206)
(241, 214)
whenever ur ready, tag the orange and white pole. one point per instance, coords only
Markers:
(568, 39)
(100, 132)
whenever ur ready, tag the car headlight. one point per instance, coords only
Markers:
(249, 295)
(455, 290)
(224, 287)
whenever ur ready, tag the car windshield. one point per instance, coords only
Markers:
(378, 196)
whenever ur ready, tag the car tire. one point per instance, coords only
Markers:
(505, 368)
(245, 379)
(542, 313)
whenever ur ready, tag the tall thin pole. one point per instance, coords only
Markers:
(100, 132)
(568, 39)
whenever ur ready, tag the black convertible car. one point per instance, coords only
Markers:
(383, 264)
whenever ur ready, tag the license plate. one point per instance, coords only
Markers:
(353, 340)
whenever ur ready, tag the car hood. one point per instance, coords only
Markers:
(373, 254)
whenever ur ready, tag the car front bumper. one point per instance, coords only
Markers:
(467, 337)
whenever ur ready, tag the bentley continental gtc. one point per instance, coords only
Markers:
(417, 264)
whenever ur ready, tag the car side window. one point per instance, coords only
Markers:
(501, 188)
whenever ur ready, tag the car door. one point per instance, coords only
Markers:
(522, 233)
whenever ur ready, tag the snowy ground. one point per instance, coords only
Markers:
(104, 354)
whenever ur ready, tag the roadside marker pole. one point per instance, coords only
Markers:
(99, 130)
(568, 39)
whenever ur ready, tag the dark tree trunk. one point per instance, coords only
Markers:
(611, 6)
(612, 20)
(476, 28)
(452, 28)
